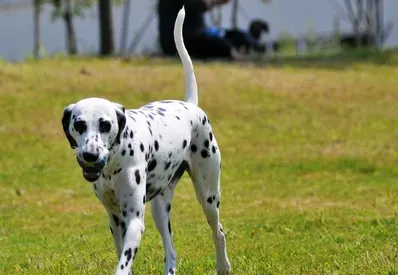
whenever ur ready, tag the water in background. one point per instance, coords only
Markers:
(294, 17)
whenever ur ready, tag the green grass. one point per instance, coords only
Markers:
(310, 175)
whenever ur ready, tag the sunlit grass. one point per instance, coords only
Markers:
(309, 179)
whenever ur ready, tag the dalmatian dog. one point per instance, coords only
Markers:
(136, 156)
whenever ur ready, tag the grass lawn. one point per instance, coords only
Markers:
(309, 182)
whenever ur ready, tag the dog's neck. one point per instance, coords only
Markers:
(112, 163)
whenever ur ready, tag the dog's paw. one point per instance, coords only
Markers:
(224, 268)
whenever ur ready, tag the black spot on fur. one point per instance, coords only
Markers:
(135, 252)
(168, 207)
(177, 117)
(128, 253)
(137, 176)
(169, 226)
(129, 146)
(144, 199)
(131, 152)
(142, 147)
(184, 144)
(137, 214)
(152, 165)
(150, 131)
(194, 148)
(206, 143)
(116, 220)
(123, 152)
(213, 149)
(171, 271)
(124, 213)
(156, 145)
(122, 267)
(204, 120)
(123, 226)
(211, 136)
(167, 165)
(218, 204)
(131, 134)
(117, 171)
(204, 153)
(180, 171)
(210, 200)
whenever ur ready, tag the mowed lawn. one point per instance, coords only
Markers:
(309, 181)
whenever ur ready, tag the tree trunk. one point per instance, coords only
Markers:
(36, 28)
(125, 24)
(370, 22)
(71, 43)
(234, 16)
(107, 47)
(379, 23)
(357, 23)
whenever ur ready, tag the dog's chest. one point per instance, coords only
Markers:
(162, 172)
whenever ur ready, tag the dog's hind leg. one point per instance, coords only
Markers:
(205, 174)
(160, 209)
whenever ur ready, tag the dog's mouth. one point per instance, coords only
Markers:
(92, 170)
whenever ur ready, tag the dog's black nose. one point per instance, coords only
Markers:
(90, 157)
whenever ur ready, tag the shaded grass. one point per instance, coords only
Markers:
(336, 60)
(309, 179)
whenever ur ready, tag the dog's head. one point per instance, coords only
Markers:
(93, 126)
(257, 27)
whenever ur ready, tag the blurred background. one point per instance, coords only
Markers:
(38, 28)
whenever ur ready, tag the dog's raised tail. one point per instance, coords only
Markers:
(191, 88)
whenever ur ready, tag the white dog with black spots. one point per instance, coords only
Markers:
(136, 156)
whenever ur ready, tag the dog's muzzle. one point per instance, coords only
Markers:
(92, 170)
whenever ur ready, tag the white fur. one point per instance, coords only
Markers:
(158, 142)
(191, 88)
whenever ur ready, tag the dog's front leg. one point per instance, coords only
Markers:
(130, 190)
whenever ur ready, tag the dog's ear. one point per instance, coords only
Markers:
(121, 120)
(65, 124)
(257, 26)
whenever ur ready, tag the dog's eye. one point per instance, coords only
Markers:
(80, 126)
(104, 126)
